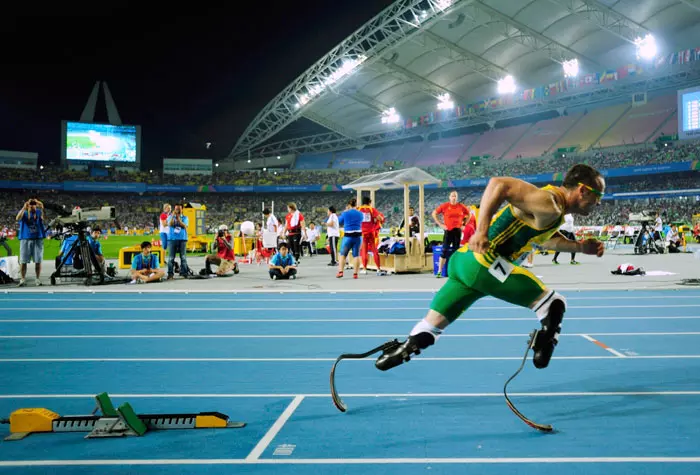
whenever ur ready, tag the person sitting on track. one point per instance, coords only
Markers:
(282, 265)
(145, 267)
(489, 263)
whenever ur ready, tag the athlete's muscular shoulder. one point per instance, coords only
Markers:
(538, 206)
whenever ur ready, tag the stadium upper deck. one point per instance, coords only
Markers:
(425, 66)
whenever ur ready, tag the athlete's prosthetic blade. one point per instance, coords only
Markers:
(533, 424)
(388, 346)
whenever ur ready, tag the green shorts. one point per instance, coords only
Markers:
(473, 276)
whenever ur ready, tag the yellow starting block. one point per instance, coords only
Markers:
(112, 423)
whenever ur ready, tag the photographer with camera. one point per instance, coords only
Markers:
(3, 241)
(177, 241)
(31, 238)
(224, 258)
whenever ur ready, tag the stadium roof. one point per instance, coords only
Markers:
(415, 51)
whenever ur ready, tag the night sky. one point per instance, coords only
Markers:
(187, 77)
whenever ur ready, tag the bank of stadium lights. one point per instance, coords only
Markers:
(570, 68)
(390, 116)
(444, 4)
(346, 67)
(646, 47)
(506, 85)
(445, 102)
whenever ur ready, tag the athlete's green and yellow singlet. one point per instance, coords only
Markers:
(497, 272)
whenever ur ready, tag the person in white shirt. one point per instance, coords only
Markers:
(271, 223)
(311, 238)
(271, 226)
(673, 239)
(333, 233)
(567, 230)
(658, 227)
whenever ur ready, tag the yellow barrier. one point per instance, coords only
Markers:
(126, 255)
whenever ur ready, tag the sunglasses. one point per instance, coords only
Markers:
(598, 193)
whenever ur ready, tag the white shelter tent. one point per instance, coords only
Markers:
(414, 260)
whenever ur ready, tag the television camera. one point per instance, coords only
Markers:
(73, 225)
(646, 240)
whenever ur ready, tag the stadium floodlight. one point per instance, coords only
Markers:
(506, 85)
(646, 47)
(278, 157)
(346, 67)
(570, 68)
(390, 116)
(445, 102)
(443, 4)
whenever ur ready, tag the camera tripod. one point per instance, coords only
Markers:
(84, 256)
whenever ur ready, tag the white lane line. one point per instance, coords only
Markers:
(316, 360)
(351, 461)
(219, 298)
(274, 430)
(356, 395)
(604, 346)
(317, 320)
(339, 336)
(334, 309)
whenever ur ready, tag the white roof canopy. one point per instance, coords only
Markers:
(393, 180)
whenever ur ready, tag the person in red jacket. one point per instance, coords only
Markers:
(453, 214)
(371, 224)
(470, 226)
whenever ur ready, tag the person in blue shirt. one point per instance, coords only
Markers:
(96, 246)
(177, 241)
(283, 265)
(31, 238)
(145, 267)
(351, 221)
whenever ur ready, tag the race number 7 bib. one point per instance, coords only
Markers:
(501, 269)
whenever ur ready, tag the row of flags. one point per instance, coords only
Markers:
(552, 89)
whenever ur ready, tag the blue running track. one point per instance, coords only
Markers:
(623, 390)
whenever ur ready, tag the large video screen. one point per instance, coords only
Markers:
(101, 142)
(689, 113)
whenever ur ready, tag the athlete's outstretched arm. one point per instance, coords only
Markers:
(524, 196)
(591, 246)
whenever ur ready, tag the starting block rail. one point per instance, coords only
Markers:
(112, 422)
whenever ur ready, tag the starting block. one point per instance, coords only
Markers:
(111, 422)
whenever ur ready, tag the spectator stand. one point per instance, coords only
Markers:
(415, 259)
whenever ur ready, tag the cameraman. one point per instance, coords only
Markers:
(177, 241)
(31, 238)
(3, 241)
(96, 246)
(224, 258)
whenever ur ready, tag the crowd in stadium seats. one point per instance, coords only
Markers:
(141, 211)
(677, 152)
